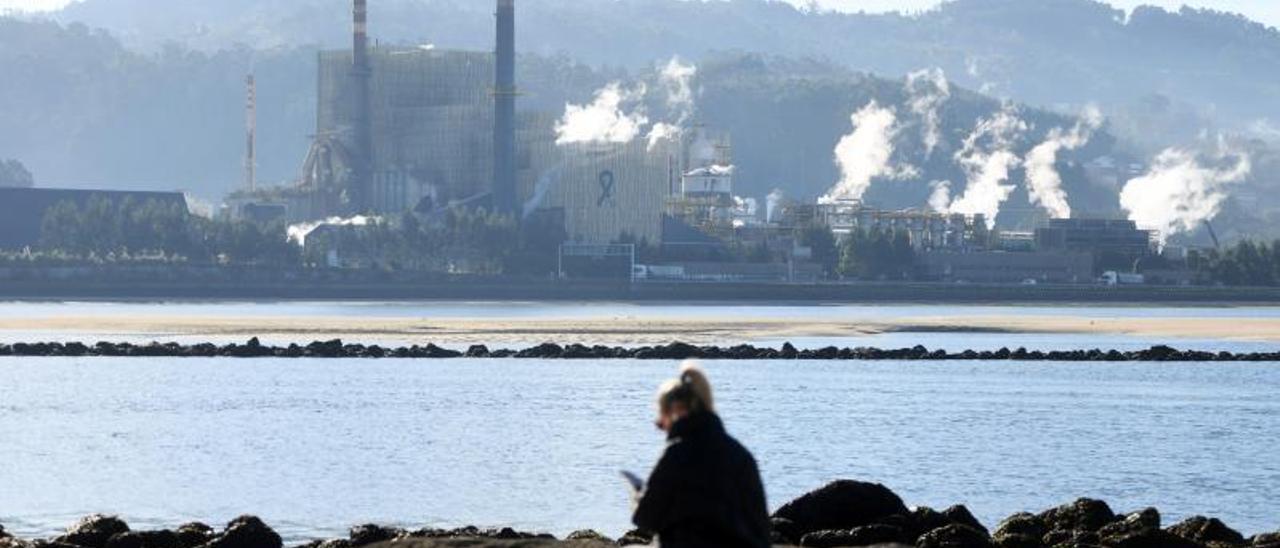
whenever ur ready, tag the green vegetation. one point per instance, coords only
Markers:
(1245, 264)
(151, 230)
(877, 255)
(461, 241)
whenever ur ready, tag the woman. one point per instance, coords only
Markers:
(706, 489)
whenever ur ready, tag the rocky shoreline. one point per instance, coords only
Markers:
(843, 513)
(675, 351)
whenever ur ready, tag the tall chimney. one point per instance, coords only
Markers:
(361, 72)
(251, 125)
(504, 115)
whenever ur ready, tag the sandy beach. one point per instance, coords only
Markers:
(609, 329)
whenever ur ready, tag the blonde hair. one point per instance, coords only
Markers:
(691, 388)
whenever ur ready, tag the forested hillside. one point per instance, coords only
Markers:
(1173, 71)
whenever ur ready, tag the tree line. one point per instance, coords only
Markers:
(1244, 264)
(459, 241)
(104, 228)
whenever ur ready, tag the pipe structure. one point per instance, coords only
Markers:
(362, 119)
(504, 94)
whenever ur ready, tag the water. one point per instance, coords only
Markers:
(316, 446)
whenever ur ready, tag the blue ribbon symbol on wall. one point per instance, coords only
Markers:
(607, 182)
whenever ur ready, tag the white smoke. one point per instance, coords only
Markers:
(662, 131)
(1184, 189)
(867, 153)
(940, 196)
(773, 205)
(615, 116)
(703, 150)
(298, 233)
(676, 79)
(928, 89)
(987, 159)
(1044, 183)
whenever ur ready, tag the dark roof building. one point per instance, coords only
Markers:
(22, 210)
(1116, 236)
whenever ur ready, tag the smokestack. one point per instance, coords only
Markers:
(251, 125)
(361, 72)
(504, 115)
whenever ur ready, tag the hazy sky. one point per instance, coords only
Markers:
(1266, 11)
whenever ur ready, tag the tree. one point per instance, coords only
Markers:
(819, 238)
(15, 175)
(877, 254)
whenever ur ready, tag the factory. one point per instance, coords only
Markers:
(421, 129)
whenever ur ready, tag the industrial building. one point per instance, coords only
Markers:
(1006, 267)
(22, 210)
(927, 229)
(1105, 236)
(420, 129)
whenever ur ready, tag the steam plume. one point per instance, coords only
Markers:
(606, 120)
(928, 90)
(773, 205)
(940, 197)
(1180, 192)
(987, 159)
(298, 233)
(1044, 183)
(676, 79)
(867, 153)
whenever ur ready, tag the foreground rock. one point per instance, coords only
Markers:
(675, 351)
(843, 513)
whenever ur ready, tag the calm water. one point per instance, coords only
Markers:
(315, 446)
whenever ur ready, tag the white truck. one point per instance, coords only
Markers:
(1113, 278)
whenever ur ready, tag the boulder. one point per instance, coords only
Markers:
(364, 535)
(1016, 541)
(924, 519)
(246, 532)
(191, 535)
(1266, 540)
(588, 534)
(959, 514)
(1060, 538)
(636, 537)
(1207, 530)
(1137, 522)
(93, 531)
(144, 539)
(1081, 515)
(868, 535)
(1149, 538)
(842, 505)
(331, 543)
(785, 531)
(954, 536)
(1022, 524)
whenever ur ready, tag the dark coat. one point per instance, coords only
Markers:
(706, 490)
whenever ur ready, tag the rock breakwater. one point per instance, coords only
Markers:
(675, 351)
(843, 513)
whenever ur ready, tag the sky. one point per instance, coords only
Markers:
(1266, 11)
